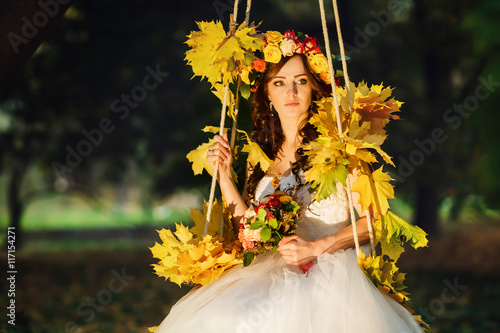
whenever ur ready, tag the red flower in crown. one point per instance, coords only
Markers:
(300, 47)
(311, 45)
(289, 34)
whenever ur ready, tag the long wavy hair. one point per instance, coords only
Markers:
(268, 133)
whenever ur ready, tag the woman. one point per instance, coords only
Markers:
(273, 294)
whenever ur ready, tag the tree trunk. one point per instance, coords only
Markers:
(15, 205)
(427, 207)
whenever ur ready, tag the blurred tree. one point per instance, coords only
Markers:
(107, 97)
(25, 25)
(427, 50)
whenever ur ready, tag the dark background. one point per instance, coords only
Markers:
(81, 219)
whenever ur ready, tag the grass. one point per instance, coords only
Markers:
(58, 272)
(62, 212)
(52, 285)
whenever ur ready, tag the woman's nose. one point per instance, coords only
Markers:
(292, 89)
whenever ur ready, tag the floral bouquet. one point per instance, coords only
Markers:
(275, 217)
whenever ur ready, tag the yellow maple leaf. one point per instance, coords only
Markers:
(358, 148)
(396, 232)
(197, 252)
(216, 218)
(198, 157)
(420, 321)
(226, 258)
(218, 90)
(371, 103)
(188, 258)
(355, 148)
(385, 275)
(214, 129)
(183, 233)
(328, 166)
(159, 251)
(256, 155)
(205, 42)
(374, 190)
(325, 184)
(218, 56)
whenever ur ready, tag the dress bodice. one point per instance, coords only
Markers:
(320, 218)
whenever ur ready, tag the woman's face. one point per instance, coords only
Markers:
(290, 90)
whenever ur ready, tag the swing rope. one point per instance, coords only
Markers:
(222, 122)
(337, 111)
(216, 168)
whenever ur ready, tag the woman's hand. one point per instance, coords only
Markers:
(221, 152)
(299, 251)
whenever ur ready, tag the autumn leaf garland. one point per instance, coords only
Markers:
(187, 257)
(333, 156)
(220, 56)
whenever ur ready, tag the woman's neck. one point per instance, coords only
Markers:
(290, 128)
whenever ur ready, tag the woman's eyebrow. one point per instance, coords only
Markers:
(283, 77)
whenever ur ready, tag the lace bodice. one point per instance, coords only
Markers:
(319, 218)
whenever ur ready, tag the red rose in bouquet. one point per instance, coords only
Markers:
(276, 216)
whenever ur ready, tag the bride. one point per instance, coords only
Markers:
(273, 294)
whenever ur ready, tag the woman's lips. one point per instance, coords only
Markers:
(292, 104)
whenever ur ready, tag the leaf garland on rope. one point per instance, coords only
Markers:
(256, 155)
(220, 56)
(332, 156)
(186, 257)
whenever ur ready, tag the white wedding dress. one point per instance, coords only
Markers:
(270, 296)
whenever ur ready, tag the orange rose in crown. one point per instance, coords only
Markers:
(260, 65)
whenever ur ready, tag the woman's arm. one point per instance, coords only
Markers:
(299, 251)
(220, 151)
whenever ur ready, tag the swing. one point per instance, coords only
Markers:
(351, 129)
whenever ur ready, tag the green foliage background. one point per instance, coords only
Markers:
(432, 52)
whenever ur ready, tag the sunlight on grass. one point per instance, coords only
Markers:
(64, 212)
(78, 245)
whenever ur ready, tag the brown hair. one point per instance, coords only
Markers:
(268, 133)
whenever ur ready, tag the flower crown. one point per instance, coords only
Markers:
(222, 56)
(279, 45)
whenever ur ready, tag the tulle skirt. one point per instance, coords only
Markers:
(271, 296)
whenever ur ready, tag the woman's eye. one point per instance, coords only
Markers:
(279, 83)
(302, 81)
